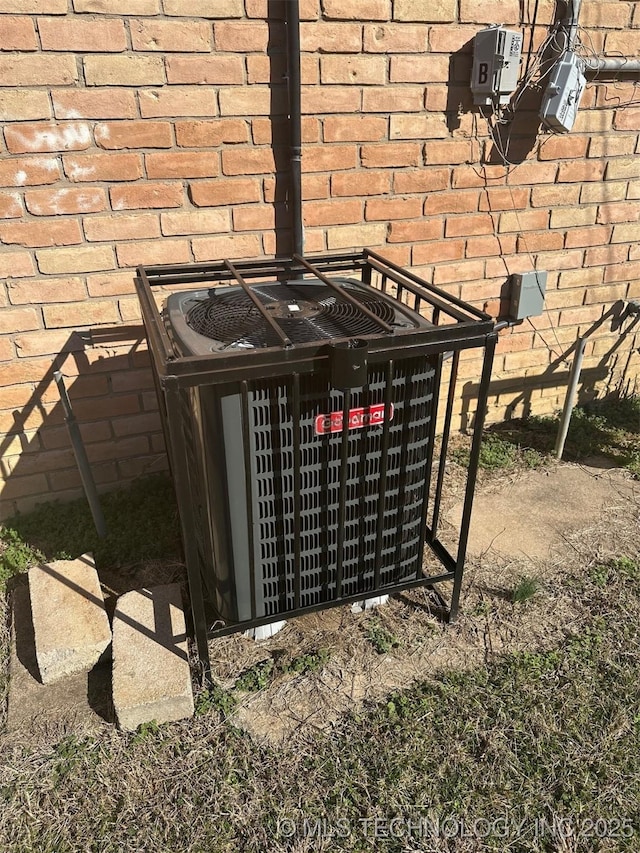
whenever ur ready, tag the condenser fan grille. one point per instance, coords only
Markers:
(305, 313)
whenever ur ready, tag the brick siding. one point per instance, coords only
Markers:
(154, 131)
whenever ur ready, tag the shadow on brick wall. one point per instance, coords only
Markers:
(110, 385)
(556, 375)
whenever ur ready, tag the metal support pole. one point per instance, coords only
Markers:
(574, 378)
(82, 461)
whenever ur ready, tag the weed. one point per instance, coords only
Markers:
(381, 639)
(525, 589)
(310, 662)
(145, 731)
(215, 698)
(257, 677)
(15, 555)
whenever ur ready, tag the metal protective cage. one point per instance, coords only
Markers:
(304, 471)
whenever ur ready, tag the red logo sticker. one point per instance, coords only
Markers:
(358, 418)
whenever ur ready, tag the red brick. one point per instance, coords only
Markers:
(223, 192)
(576, 316)
(549, 196)
(126, 70)
(18, 33)
(251, 101)
(329, 158)
(418, 127)
(217, 70)
(570, 216)
(395, 38)
(38, 291)
(490, 11)
(425, 180)
(359, 70)
(18, 320)
(110, 284)
(605, 191)
(540, 241)
(204, 9)
(354, 129)
(40, 138)
(121, 227)
(613, 146)
(117, 7)
(626, 233)
(28, 171)
(417, 10)
(45, 343)
(153, 252)
(526, 220)
(16, 264)
(486, 247)
(460, 271)
(170, 36)
(56, 202)
(94, 103)
(240, 36)
(387, 209)
(392, 99)
(37, 70)
(338, 212)
(591, 170)
(133, 134)
(461, 226)
(24, 104)
(324, 37)
(391, 154)
(451, 202)
(317, 100)
(10, 205)
(74, 260)
(189, 101)
(451, 39)
(254, 218)
(80, 314)
(356, 236)
(603, 255)
(148, 195)
(195, 222)
(436, 252)
(606, 14)
(182, 165)
(449, 152)
(581, 278)
(102, 167)
(18, 487)
(565, 147)
(610, 293)
(69, 34)
(414, 232)
(497, 198)
(364, 10)
(533, 172)
(503, 267)
(209, 134)
(272, 69)
(360, 183)
(623, 167)
(313, 186)
(233, 246)
(38, 234)
(596, 235)
(253, 161)
(628, 212)
(428, 68)
(627, 119)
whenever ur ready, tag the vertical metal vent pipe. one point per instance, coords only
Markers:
(292, 18)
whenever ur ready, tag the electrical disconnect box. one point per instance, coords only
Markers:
(562, 96)
(496, 65)
(527, 294)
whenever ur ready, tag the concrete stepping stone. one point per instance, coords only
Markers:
(151, 676)
(70, 623)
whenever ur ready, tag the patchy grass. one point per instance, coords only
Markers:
(525, 589)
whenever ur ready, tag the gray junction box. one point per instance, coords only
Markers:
(527, 294)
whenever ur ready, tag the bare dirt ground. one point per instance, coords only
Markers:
(539, 524)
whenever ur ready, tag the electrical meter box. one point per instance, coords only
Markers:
(527, 294)
(561, 98)
(496, 65)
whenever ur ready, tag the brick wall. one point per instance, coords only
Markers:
(152, 131)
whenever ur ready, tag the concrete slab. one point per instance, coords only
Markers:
(70, 623)
(80, 702)
(151, 676)
(532, 514)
